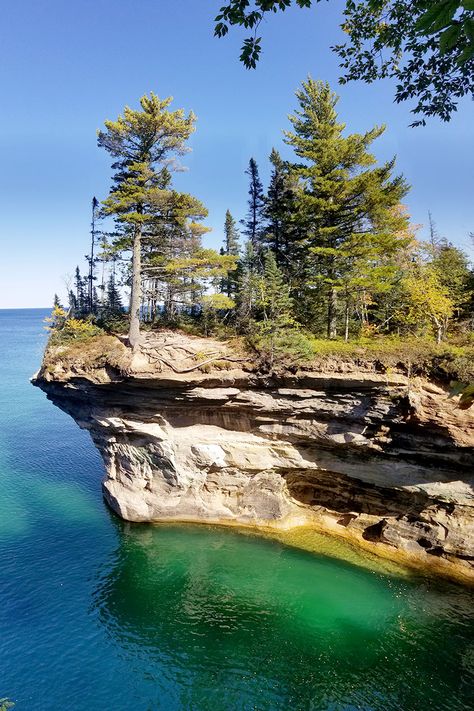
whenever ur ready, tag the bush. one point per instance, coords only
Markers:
(74, 329)
(285, 347)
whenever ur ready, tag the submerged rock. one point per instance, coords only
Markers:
(382, 460)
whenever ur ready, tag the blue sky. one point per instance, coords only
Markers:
(66, 65)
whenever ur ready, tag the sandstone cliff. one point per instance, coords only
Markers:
(382, 460)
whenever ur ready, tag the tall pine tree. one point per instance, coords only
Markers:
(143, 144)
(346, 205)
(231, 247)
(231, 235)
(278, 211)
(254, 222)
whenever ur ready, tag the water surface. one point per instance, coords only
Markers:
(99, 615)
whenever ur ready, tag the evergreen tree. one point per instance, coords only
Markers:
(247, 286)
(81, 304)
(231, 235)
(275, 332)
(274, 298)
(231, 247)
(57, 302)
(278, 212)
(143, 144)
(254, 222)
(346, 206)
(114, 300)
(91, 259)
(72, 301)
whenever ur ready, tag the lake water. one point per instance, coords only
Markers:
(100, 615)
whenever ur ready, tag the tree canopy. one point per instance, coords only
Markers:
(330, 252)
(427, 46)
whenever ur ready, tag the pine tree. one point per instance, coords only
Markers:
(81, 303)
(346, 206)
(231, 247)
(231, 235)
(254, 222)
(114, 300)
(275, 331)
(246, 287)
(91, 259)
(72, 301)
(278, 212)
(143, 144)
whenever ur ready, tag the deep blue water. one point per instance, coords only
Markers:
(99, 615)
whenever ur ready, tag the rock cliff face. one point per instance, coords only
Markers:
(376, 458)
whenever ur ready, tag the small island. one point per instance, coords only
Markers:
(319, 376)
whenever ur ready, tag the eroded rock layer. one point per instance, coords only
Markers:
(376, 458)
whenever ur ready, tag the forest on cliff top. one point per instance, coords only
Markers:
(325, 257)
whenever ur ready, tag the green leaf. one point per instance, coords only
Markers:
(468, 27)
(466, 54)
(438, 16)
(449, 37)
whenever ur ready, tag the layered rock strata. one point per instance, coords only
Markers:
(376, 458)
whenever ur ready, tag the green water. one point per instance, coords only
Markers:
(97, 614)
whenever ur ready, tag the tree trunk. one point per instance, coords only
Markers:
(136, 294)
(346, 320)
(332, 313)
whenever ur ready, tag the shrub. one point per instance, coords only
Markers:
(285, 347)
(74, 329)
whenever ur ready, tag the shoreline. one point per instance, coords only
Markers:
(320, 538)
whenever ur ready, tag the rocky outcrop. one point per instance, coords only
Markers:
(376, 458)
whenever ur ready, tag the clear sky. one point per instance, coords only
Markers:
(66, 65)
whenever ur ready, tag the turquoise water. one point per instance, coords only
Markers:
(100, 615)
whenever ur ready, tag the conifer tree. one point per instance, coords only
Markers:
(275, 332)
(247, 286)
(114, 300)
(91, 259)
(143, 143)
(278, 211)
(72, 301)
(231, 235)
(80, 301)
(231, 247)
(346, 205)
(254, 222)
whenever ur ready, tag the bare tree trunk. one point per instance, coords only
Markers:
(136, 294)
(346, 320)
(332, 313)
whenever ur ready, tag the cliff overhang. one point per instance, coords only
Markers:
(190, 430)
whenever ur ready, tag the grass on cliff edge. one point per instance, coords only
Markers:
(89, 347)
(413, 356)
